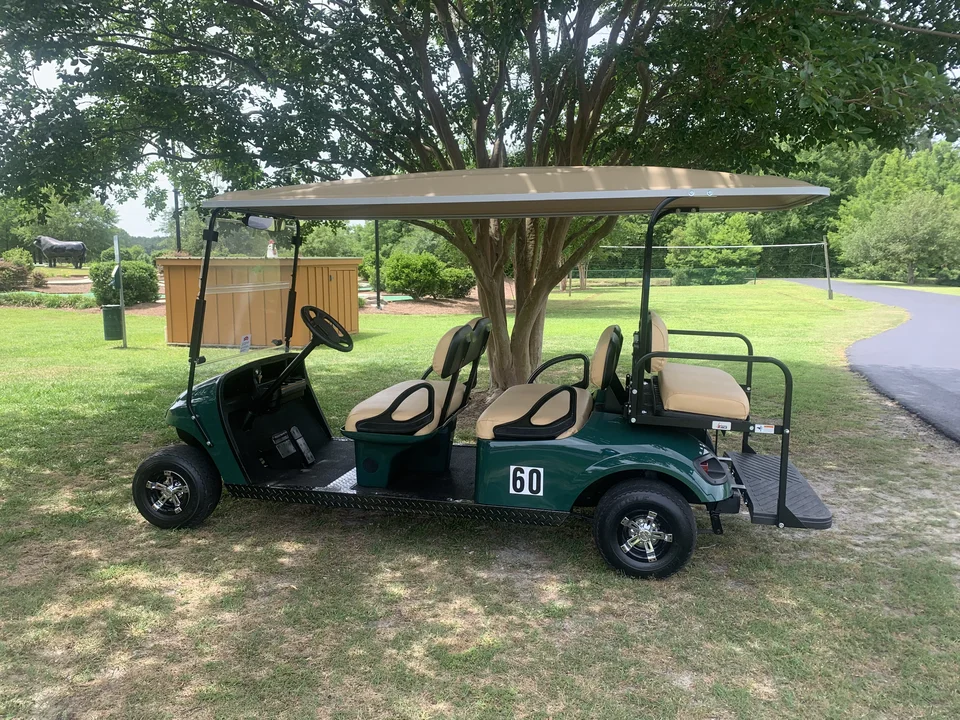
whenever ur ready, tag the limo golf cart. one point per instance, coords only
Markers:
(635, 440)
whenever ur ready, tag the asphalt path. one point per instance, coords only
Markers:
(916, 363)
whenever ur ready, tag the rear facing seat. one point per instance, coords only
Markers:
(693, 388)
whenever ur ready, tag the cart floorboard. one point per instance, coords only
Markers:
(332, 482)
(760, 475)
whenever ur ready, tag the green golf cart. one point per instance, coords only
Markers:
(630, 446)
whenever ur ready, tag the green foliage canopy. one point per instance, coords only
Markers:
(242, 93)
(902, 220)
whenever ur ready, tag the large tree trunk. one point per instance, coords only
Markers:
(582, 272)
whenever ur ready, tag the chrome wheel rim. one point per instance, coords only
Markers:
(644, 536)
(169, 495)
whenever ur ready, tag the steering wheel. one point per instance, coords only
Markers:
(325, 329)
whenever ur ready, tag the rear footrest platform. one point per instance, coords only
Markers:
(760, 476)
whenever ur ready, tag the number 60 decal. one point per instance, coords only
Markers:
(526, 480)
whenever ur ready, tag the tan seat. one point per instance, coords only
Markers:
(693, 388)
(518, 400)
(459, 347)
(411, 407)
(703, 391)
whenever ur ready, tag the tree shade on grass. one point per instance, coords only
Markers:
(287, 611)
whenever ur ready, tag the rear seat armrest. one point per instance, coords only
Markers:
(584, 383)
(426, 373)
(384, 422)
(523, 428)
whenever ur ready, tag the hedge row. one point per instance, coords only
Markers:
(27, 299)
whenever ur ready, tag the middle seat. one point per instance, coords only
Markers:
(542, 411)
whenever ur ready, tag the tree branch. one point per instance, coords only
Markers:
(888, 24)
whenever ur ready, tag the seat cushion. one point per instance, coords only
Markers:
(702, 390)
(518, 400)
(411, 407)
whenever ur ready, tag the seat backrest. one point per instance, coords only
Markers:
(659, 341)
(478, 341)
(451, 351)
(603, 366)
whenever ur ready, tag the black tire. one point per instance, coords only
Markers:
(190, 491)
(623, 516)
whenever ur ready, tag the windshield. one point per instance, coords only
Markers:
(248, 282)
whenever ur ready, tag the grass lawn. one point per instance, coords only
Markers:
(270, 610)
(942, 289)
(63, 271)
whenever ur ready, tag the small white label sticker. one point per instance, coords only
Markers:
(721, 425)
(764, 429)
(526, 480)
(245, 344)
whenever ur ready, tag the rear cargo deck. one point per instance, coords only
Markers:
(760, 476)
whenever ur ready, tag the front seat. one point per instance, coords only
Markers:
(541, 411)
(694, 388)
(418, 407)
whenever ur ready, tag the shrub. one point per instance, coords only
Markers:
(948, 277)
(139, 283)
(27, 299)
(13, 276)
(108, 256)
(361, 302)
(456, 283)
(417, 275)
(711, 276)
(19, 256)
(38, 279)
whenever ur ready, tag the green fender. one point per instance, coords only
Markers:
(207, 408)
(678, 467)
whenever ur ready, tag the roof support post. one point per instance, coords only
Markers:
(641, 347)
(292, 294)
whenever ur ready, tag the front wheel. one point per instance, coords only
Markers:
(645, 529)
(177, 486)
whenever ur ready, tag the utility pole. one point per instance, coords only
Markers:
(176, 213)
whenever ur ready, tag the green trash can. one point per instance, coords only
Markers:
(112, 322)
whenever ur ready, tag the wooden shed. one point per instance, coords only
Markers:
(235, 309)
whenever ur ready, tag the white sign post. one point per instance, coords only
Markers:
(119, 275)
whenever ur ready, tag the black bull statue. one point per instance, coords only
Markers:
(75, 252)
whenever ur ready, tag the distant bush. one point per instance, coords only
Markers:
(38, 279)
(26, 299)
(456, 283)
(361, 302)
(711, 276)
(417, 275)
(19, 256)
(108, 256)
(948, 277)
(13, 276)
(139, 283)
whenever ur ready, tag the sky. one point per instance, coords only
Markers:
(132, 215)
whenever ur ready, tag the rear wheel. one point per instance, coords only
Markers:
(177, 486)
(645, 528)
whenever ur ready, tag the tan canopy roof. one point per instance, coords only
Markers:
(523, 192)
